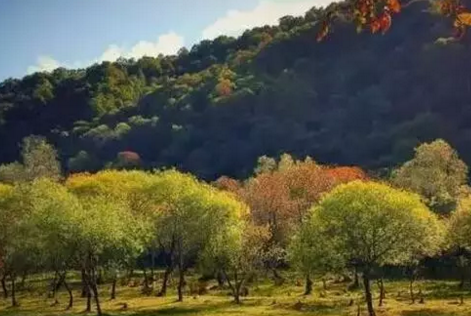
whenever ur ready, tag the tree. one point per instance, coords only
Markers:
(311, 253)
(53, 221)
(459, 234)
(280, 194)
(40, 158)
(436, 172)
(18, 242)
(105, 226)
(238, 251)
(371, 224)
(130, 190)
(12, 172)
(128, 159)
(82, 162)
(6, 194)
(377, 15)
(188, 212)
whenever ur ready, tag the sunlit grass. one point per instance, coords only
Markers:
(441, 298)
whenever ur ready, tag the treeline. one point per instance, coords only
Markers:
(212, 110)
(316, 219)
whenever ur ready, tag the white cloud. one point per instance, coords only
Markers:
(166, 44)
(44, 63)
(265, 13)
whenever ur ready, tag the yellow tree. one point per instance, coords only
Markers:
(121, 192)
(188, 213)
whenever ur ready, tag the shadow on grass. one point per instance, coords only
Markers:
(444, 290)
(428, 312)
(187, 310)
(318, 308)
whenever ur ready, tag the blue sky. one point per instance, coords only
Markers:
(40, 35)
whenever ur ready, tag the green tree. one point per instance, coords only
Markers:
(187, 213)
(371, 224)
(18, 238)
(436, 172)
(53, 219)
(12, 172)
(311, 253)
(6, 194)
(238, 251)
(128, 189)
(39, 159)
(459, 235)
(105, 226)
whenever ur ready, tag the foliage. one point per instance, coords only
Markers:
(370, 225)
(218, 107)
(377, 15)
(238, 251)
(459, 225)
(374, 224)
(436, 172)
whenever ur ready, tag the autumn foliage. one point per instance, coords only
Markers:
(377, 15)
(280, 194)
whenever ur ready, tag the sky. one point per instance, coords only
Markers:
(41, 35)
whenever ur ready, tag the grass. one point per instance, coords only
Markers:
(441, 298)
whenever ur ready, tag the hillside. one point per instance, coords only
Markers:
(360, 99)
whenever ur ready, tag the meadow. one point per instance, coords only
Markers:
(440, 298)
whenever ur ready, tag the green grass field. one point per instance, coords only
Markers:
(440, 299)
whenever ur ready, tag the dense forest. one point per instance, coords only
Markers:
(255, 159)
(354, 99)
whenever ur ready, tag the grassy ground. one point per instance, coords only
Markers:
(440, 299)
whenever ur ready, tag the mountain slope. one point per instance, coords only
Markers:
(354, 99)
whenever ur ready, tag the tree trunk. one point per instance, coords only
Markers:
(14, 303)
(170, 265)
(308, 289)
(382, 294)
(163, 290)
(95, 295)
(56, 284)
(181, 281)
(356, 282)
(152, 266)
(237, 295)
(4, 286)
(89, 299)
(84, 285)
(181, 284)
(238, 287)
(324, 284)
(113, 288)
(147, 289)
(368, 296)
(277, 277)
(71, 296)
(234, 289)
(411, 289)
(220, 279)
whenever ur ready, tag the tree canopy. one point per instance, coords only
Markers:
(216, 107)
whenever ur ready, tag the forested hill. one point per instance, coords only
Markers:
(354, 98)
